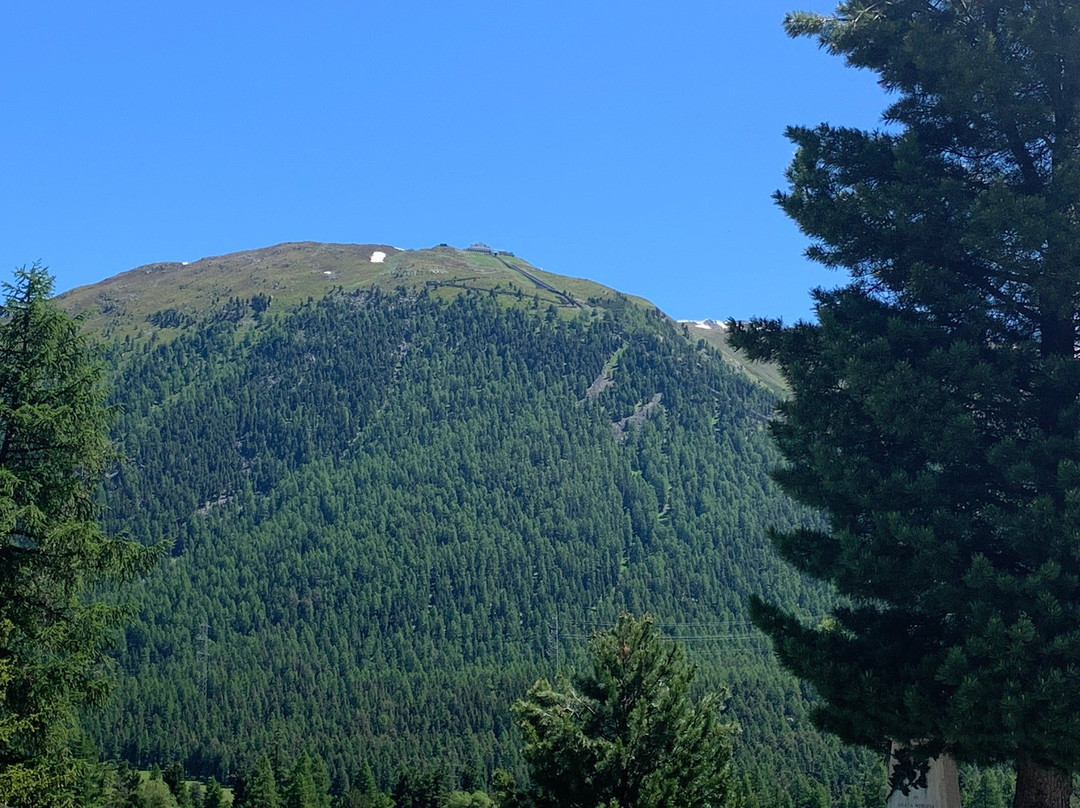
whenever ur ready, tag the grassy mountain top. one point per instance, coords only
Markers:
(162, 299)
(291, 273)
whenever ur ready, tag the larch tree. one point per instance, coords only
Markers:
(934, 414)
(54, 447)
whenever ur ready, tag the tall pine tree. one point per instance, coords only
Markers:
(936, 401)
(53, 450)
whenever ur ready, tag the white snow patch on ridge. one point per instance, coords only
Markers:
(710, 325)
(378, 257)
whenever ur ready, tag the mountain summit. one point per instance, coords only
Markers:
(157, 298)
(293, 272)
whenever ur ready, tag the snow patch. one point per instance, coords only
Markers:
(378, 257)
(708, 325)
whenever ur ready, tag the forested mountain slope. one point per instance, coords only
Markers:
(392, 506)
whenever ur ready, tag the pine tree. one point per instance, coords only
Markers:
(300, 787)
(364, 793)
(987, 792)
(320, 778)
(934, 413)
(54, 447)
(260, 786)
(421, 787)
(175, 779)
(626, 734)
(213, 797)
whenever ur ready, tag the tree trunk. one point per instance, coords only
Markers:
(1039, 786)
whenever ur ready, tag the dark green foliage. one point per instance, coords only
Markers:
(174, 778)
(382, 506)
(170, 318)
(421, 787)
(173, 775)
(213, 796)
(300, 787)
(259, 789)
(987, 790)
(363, 793)
(934, 413)
(119, 786)
(307, 785)
(626, 734)
(54, 445)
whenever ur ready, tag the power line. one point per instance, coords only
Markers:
(555, 649)
(202, 655)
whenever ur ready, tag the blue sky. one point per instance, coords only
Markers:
(635, 144)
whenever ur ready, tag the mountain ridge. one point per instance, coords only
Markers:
(156, 300)
(296, 270)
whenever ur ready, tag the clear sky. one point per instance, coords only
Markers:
(636, 144)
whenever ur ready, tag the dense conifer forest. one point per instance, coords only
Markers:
(390, 513)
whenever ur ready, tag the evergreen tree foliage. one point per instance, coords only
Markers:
(420, 787)
(260, 786)
(213, 796)
(154, 793)
(987, 791)
(627, 733)
(120, 785)
(934, 413)
(364, 793)
(300, 789)
(382, 505)
(174, 778)
(54, 446)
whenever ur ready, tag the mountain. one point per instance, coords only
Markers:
(135, 302)
(157, 299)
(399, 486)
